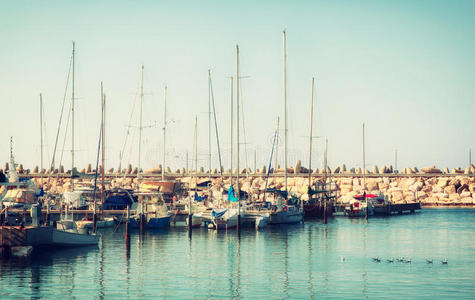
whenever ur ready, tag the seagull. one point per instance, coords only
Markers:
(390, 260)
(445, 261)
(429, 261)
(376, 259)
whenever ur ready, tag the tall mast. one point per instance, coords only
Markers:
(364, 164)
(232, 140)
(285, 108)
(72, 122)
(41, 137)
(196, 144)
(311, 136)
(364, 177)
(140, 126)
(395, 161)
(209, 124)
(164, 134)
(276, 146)
(237, 127)
(103, 116)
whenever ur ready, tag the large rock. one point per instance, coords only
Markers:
(431, 170)
(375, 170)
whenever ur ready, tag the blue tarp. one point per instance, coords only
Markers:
(231, 196)
(199, 198)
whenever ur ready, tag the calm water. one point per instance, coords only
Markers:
(297, 261)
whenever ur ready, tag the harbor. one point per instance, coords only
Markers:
(237, 150)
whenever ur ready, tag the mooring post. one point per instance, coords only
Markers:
(325, 210)
(94, 222)
(141, 218)
(127, 229)
(47, 213)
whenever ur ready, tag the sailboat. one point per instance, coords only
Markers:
(284, 212)
(102, 222)
(359, 206)
(64, 234)
(18, 193)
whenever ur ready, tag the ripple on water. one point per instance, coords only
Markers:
(296, 261)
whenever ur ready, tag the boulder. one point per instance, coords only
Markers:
(431, 170)
(383, 170)
(375, 170)
(297, 167)
(450, 189)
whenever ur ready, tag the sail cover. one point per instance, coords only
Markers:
(231, 196)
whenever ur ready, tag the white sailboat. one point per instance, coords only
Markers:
(283, 212)
(65, 233)
(359, 206)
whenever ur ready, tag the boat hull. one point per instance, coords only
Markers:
(316, 210)
(285, 217)
(68, 239)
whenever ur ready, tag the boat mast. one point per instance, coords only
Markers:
(196, 150)
(164, 134)
(140, 126)
(276, 146)
(72, 122)
(41, 138)
(232, 115)
(364, 176)
(209, 125)
(311, 137)
(103, 116)
(285, 108)
(237, 128)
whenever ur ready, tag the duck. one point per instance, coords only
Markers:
(429, 260)
(376, 259)
(342, 258)
(408, 260)
(445, 261)
(390, 260)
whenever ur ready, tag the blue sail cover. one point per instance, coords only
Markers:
(199, 198)
(231, 196)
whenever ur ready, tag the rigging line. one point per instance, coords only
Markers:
(46, 138)
(270, 162)
(216, 127)
(97, 167)
(65, 135)
(129, 126)
(61, 116)
(243, 127)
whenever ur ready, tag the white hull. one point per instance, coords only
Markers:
(290, 216)
(195, 221)
(262, 221)
(68, 238)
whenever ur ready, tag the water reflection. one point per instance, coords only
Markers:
(300, 261)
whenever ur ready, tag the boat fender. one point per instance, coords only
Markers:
(285, 208)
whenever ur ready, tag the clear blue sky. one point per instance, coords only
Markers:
(405, 68)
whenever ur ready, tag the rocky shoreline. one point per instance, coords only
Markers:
(430, 186)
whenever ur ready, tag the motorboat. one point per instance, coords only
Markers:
(358, 206)
(223, 218)
(154, 210)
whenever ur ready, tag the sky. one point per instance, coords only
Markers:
(404, 68)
